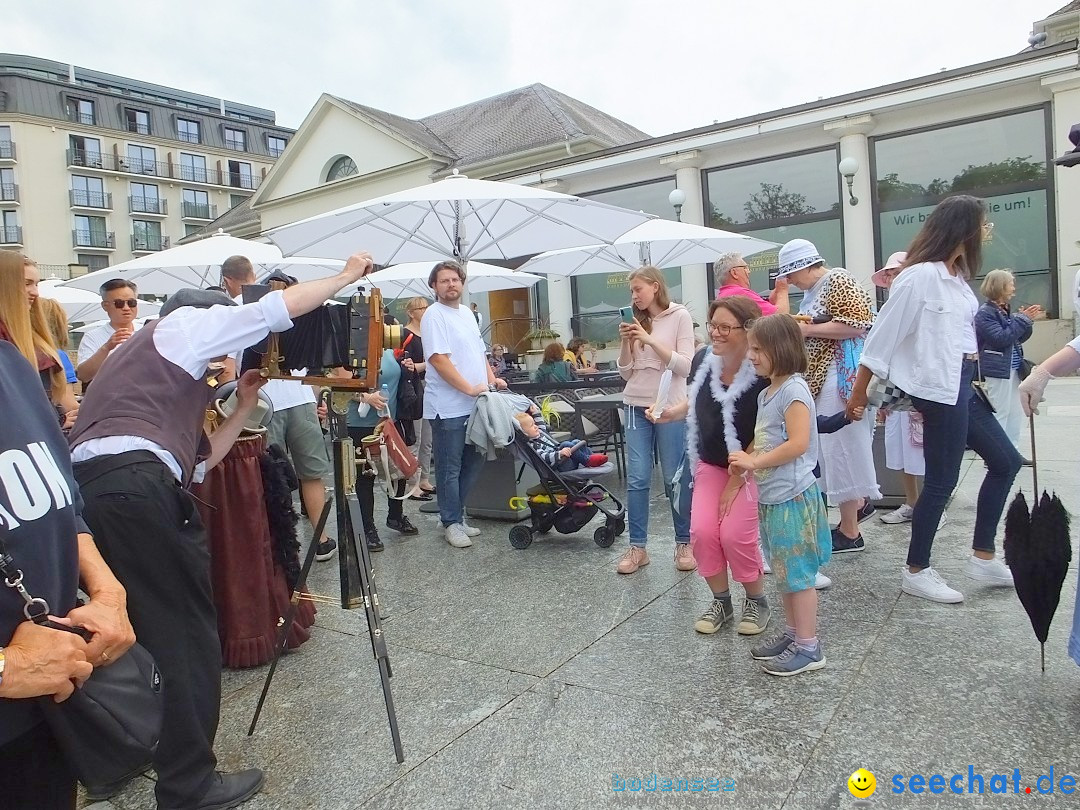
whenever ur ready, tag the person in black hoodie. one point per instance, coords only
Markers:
(42, 530)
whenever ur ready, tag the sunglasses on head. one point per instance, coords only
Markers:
(130, 303)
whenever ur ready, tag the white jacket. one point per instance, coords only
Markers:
(917, 339)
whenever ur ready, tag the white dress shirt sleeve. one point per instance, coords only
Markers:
(192, 338)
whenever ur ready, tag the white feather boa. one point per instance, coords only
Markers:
(713, 367)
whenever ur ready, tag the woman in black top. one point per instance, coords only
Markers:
(412, 360)
(720, 413)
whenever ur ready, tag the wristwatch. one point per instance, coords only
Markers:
(492, 387)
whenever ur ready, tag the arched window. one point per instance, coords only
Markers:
(344, 166)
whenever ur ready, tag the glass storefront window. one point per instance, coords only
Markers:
(1002, 160)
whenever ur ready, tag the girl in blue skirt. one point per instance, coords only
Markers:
(793, 523)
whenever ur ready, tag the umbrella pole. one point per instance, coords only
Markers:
(1042, 653)
(1034, 460)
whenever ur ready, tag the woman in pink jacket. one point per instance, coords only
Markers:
(660, 338)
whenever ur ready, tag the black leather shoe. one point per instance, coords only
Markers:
(373, 541)
(403, 525)
(229, 790)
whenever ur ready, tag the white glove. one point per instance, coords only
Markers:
(1031, 389)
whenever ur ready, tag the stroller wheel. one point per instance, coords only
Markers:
(604, 536)
(521, 537)
(619, 526)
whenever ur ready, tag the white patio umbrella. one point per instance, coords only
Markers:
(81, 306)
(89, 327)
(658, 242)
(411, 278)
(197, 264)
(459, 217)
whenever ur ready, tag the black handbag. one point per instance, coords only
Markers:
(109, 728)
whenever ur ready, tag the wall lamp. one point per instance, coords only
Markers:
(676, 198)
(848, 168)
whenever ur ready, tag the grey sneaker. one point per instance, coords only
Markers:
(773, 647)
(456, 536)
(794, 660)
(719, 613)
(755, 618)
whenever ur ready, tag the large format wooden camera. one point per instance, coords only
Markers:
(328, 341)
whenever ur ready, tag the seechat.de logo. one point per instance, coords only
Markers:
(862, 784)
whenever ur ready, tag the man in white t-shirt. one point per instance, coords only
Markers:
(119, 302)
(457, 373)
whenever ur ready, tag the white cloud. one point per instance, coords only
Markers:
(660, 66)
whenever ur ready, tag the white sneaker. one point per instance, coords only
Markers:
(993, 572)
(470, 531)
(456, 536)
(764, 560)
(901, 514)
(928, 584)
(944, 520)
(821, 582)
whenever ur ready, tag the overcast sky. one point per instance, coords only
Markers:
(661, 65)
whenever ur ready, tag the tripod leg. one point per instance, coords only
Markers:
(294, 605)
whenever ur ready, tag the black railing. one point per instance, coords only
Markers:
(148, 243)
(9, 192)
(11, 235)
(93, 239)
(90, 160)
(77, 117)
(241, 180)
(7, 150)
(90, 199)
(141, 166)
(199, 211)
(142, 129)
(156, 168)
(237, 144)
(147, 205)
(187, 137)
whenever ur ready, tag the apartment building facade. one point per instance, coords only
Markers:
(96, 169)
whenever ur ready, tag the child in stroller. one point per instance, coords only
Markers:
(563, 456)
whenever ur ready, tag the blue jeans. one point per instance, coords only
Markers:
(947, 431)
(670, 440)
(456, 467)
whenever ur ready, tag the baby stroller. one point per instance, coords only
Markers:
(566, 501)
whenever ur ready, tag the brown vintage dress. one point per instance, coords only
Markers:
(250, 590)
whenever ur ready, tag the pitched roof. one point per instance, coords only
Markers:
(1065, 9)
(507, 124)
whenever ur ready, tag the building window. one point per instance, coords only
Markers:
(10, 233)
(196, 204)
(236, 199)
(91, 232)
(141, 159)
(1003, 160)
(9, 192)
(80, 110)
(88, 192)
(187, 130)
(84, 151)
(138, 121)
(240, 175)
(92, 261)
(597, 297)
(275, 144)
(191, 227)
(344, 166)
(796, 197)
(146, 235)
(7, 148)
(193, 168)
(145, 199)
(234, 139)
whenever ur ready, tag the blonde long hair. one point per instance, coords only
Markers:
(652, 275)
(28, 329)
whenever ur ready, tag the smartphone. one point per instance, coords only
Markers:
(627, 314)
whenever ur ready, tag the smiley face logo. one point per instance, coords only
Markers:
(862, 784)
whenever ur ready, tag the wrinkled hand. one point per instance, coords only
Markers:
(105, 615)
(1034, 311)
(1032, 389)
(42, 661)
(741, 462)
(247, 390)
(359, 265)
(856, 406)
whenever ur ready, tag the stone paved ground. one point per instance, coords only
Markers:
(531, 678)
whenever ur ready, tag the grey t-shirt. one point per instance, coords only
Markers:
(779, 484)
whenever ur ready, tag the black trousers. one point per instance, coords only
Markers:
(35, 773)
(365, 487)
(150, 534)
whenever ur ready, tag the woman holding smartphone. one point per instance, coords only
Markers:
(656, 336)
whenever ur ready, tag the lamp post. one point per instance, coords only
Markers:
(677, 197)
(848, 167)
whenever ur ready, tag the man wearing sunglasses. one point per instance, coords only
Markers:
(119, 301)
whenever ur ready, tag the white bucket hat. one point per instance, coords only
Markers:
(797, 254)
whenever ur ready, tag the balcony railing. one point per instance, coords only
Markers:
(235, 143)
(87, 119)
(9, 192)
(148, 243)
(93, 239)
(90, 199)
(142, 129)
(199, 211)
(176, 171)
(189, 137)
(7, 150)
(10, 235)
(147, 205)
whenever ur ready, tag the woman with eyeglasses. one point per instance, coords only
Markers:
(22, 322)
(924, 341)
(412, 360)
(120, 304)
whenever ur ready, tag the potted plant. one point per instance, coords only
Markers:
(540, 336)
